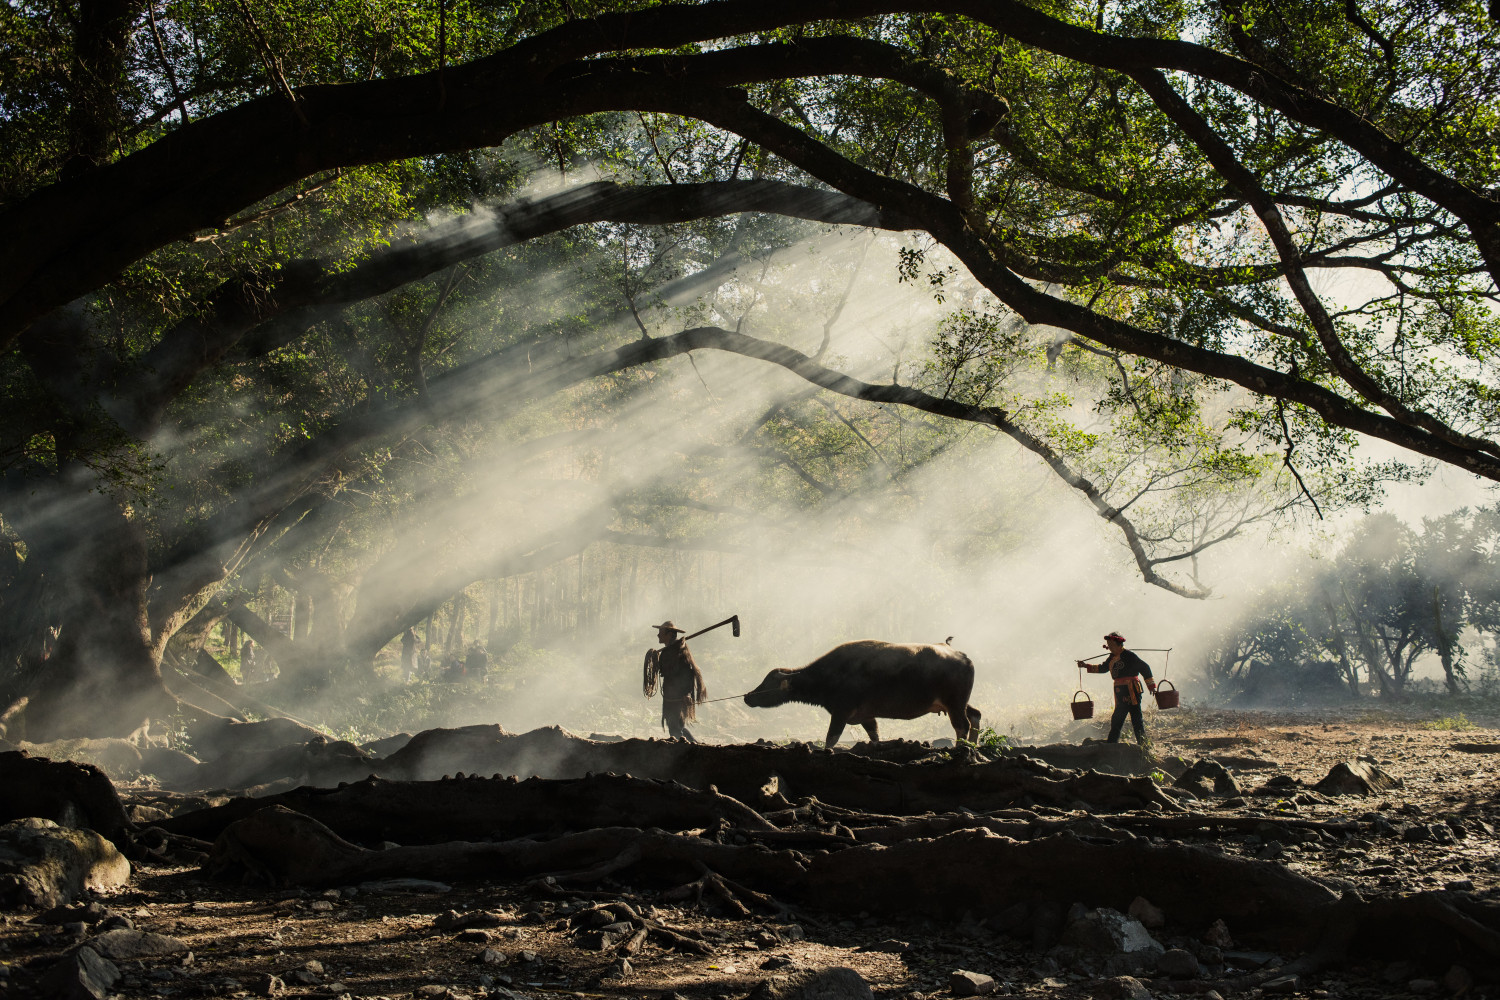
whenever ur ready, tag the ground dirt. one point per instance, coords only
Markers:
(389, 944)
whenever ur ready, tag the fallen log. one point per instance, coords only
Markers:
(426, 812)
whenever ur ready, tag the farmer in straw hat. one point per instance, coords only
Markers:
(682, 687)
(1126, 670)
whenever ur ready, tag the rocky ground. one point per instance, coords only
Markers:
(172, 931)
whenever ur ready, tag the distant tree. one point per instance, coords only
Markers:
(1387, 597)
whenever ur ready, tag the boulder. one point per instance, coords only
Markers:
(46, 865)
(836, 983)
(1356, 777)
(68, 794)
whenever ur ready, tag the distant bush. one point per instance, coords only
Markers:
(1451, 723)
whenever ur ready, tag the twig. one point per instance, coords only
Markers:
(1287, 459)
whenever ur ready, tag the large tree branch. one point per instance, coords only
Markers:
(1229, 166)
(251, 316)
(730, 111)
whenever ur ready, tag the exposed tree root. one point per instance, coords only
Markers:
(618, 927)
(841, 779)
(475, 808)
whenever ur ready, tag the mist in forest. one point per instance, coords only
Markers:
(668, 494)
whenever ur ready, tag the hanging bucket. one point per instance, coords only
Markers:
(1082, 709)
(1166, 698)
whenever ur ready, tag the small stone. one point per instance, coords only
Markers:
(1121, 988)
(321, 906)
(527, 956)
(430, 992)
(1282, 984)
(777, 962)
(1459, 885)
(127, 945)
(1357, 777)
(314, 966)
(492, 956)
(836, 983)
(1176, 963)
(1218, 935)
(890, 946)
(305, 978)
(1458, 979)
(1423, 985)
(266, 985)
(474, 935)
(1149, 915)
(963, 983)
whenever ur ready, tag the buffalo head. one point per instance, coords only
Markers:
(773, 690)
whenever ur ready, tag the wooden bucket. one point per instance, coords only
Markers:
(1166, 695)
(1082, 709)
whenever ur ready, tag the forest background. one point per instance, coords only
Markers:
(530, 325)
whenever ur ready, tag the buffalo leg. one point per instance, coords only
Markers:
(965, 726)
(873, 728)
(835, 730)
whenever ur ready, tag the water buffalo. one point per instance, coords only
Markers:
(865, 680)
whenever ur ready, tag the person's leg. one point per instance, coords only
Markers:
(1117, 721)
(1138, 721)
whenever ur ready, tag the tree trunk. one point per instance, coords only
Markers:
(302, 612)
(103, 678)
(1444, 643)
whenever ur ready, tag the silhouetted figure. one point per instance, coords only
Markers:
(682, 687)
(1126, 670)
(453, 668)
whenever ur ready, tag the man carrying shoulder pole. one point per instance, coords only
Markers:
(1126, 670)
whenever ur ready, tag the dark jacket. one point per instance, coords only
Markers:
(1129, 665)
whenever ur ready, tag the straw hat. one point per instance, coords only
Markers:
(667, 626)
